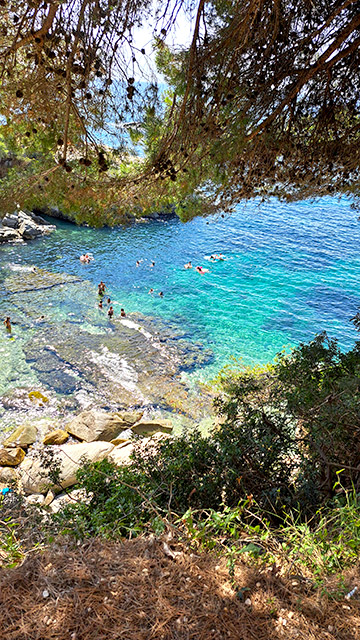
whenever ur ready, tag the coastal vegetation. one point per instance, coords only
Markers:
(277, 479)
(263, 102)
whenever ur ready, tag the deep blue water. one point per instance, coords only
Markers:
(290, 271)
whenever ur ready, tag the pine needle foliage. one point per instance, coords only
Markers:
(263, 102)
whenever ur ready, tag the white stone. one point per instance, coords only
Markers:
(35, 498)
(8, 235)
(29, 230)
(69, 457)
(120, 455)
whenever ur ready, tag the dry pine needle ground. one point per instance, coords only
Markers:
(135, 591)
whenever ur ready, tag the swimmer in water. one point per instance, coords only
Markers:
(151, 291)
(122, 313)
(100, 304)
(201, 270)
(138, 263)
(111, 312)
(152, 264)
(7, 324)
(101, 288)
(108, 301)
(161, 294)
(188, 265)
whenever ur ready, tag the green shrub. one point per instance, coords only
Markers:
(285, 433)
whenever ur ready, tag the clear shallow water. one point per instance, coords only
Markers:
(290, 271)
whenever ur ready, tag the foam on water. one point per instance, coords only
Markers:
(117, 368)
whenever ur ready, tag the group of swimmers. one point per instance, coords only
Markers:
(151, 291)
(214, 257)
(101, 291)
(138, 262)
(199, 269)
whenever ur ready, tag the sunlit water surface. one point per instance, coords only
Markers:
(289, 272)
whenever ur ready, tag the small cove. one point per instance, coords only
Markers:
(290, 271)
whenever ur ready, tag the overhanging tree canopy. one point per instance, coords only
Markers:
(265, 101)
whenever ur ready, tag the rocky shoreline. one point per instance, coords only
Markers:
(95, 385)
(29, 455)
(23, 225)
(79, 385)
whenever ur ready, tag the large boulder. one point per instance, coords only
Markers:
(22, 436)
(67, 458)
(8, 235)
(97, 425)
(11, 457)
(29, 230)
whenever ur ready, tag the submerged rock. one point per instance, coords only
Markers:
(152, 426)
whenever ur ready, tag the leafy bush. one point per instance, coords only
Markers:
(285, 434)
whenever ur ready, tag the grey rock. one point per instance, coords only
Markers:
(39, 220)
(11, 220)
(29, 230)
(8, 475)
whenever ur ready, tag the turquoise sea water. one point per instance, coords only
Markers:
(290, 271)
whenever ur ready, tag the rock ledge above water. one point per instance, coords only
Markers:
(23, 225)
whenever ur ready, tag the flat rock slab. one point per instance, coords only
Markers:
(36, 280)
(152, 426)
(67, 458)
(96, 425)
